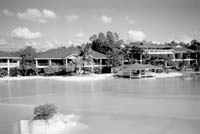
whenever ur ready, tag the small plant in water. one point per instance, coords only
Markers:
(44, 112)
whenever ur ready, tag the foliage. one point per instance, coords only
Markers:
(27, 63)
(50, 70)
(44, 112)
(196, 66)
(83, 58)
(3, 72)
(108, 44)
(13, 71)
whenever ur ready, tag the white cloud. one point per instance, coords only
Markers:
(186, 39)
(157, 42)
(79, 35)
(25, 33)
(8, 12)
(183, 38)
(49, 14)
(43, 46)
(37, 15)
(3, 41)
(72, 17)
(129, 20)
(105, 19)
(135, 35)
(75, 42)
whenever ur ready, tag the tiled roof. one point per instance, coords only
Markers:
(138, 66)
(149, 46)
(181, 49)
(97, 55)
(7, 55)
(58, 53)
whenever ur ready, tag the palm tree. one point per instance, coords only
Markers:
(84, 57)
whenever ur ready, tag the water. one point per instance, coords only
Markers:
(114, 106)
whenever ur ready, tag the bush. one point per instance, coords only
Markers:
(3, 72)
(44, 112)
(13, 71)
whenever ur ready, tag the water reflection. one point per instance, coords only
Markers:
(109, 106)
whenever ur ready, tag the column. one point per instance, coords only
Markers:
(36, 63)
(18, 63)
(49, 62)
(141, 58)
(174, 57)
(8, 67)
(66, 63)
(101, 65)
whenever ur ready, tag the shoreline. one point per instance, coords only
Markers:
(90, 77)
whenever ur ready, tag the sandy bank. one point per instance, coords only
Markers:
(166, 75)
(63, 78)
(56, 125)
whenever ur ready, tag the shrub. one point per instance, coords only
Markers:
(44, 112)
(3, 72)
(13, 71)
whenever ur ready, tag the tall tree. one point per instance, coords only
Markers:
(27, 63)
(93, 37)
(102, 37)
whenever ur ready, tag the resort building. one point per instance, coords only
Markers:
(8, 61)
(182, 54)
(170, 53)
(67, 57)
(55, 58)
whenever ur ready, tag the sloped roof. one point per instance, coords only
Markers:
(153, 46)
(149, 46)
(181, 49)
(57, 53)
(8, 55)
(97, 55)
(138, 66)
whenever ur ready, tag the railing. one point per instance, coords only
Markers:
(14, 64)
(10, 64)
(182, 59)
(4, 64)
(43, 64)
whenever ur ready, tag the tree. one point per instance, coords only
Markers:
(83, 56)
(27, 64)
(109, 45)
(195, 45)
(93, 37)
(111, 39)
(102, 37)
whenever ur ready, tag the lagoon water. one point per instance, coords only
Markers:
(111, 106)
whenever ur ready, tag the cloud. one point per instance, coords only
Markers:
(37, 15)
(129, 20)
(3, 41)
(25, 33)
(185, 39)
(49, 14)
(71, 18)
(135, 35)
(105, 19)
(43, 46)
(75, 42)
(79, 35)
(8, 12)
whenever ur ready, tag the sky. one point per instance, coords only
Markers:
(46, 24)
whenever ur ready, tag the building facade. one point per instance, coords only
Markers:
(8, 61)
(175, 54)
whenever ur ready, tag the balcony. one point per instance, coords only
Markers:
(9, 64)
(183, 59)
